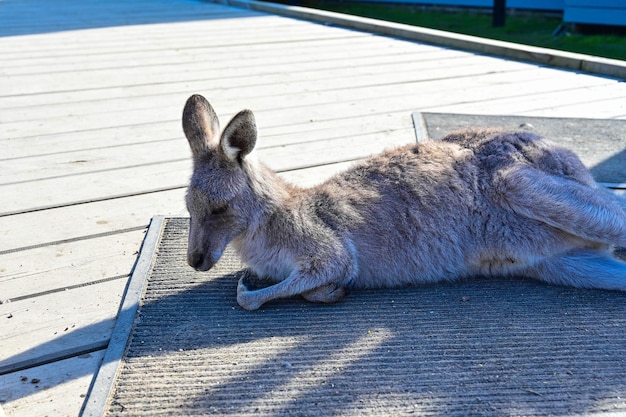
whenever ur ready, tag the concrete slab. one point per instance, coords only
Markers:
(600, 143)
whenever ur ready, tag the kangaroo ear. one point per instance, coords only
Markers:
(239, 136)
(200, 124)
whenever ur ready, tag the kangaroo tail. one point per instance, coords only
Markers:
(590, 213)
(582, 269)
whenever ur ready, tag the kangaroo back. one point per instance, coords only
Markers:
(478, 202)
(544, 182)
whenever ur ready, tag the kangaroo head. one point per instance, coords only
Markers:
(219, 193)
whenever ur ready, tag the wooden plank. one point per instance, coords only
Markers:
(360, 53)
(181, 48)
(66, 16)
(108, 137)
(50, 165)
(93, 186)
(56, 389)
(49, 268)
(225, 101)
(80, 53)
(102, 218)
(67, 166)
(167, 60)
(211, 34)
(218, 26)
(141, 116)
(609, 108)
(217, 17)
(92, 51)
(76, 241)
(171, 171)
(89, 145)
(66, 28)
(18, 122)
(58, 325)
(182, 40)
(61, 81)
(525, 91)
(568, 102)
(315, 73)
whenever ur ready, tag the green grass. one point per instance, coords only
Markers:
(532, 29)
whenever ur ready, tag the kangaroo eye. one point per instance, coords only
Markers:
(219, 210)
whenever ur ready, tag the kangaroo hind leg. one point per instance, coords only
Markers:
(329, 293)
(589, 213)
(582, 269)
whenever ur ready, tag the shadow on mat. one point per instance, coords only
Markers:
(613, 168)
(481, 347)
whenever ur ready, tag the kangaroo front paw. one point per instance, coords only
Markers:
(330, 293)
(246, 298)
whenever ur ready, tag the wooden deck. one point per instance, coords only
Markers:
(91, 146)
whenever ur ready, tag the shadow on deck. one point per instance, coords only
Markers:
(27, 17)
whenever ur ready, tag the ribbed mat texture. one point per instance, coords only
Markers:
(475, 348)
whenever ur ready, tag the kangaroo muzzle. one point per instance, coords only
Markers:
(201, 261)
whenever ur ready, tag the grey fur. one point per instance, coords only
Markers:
(479, 202)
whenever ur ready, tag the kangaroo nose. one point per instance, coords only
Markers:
(195, 259)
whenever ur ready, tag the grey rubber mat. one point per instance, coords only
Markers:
(475, 348)
(600, 143)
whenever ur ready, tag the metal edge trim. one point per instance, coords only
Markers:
(419, 124)
(99, 393)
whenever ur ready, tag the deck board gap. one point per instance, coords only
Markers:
(73, 239)
(96, 171)
(64, 288)
(54, 357)
(95, 148)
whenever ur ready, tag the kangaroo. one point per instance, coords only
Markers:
(478, 202)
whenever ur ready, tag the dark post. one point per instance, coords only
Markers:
(499, 13)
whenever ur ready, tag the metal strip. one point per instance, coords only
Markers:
(419, 124)
(100, 389)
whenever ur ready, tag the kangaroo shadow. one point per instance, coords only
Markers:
(479, 347)
(483, 347)
(612, 169)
